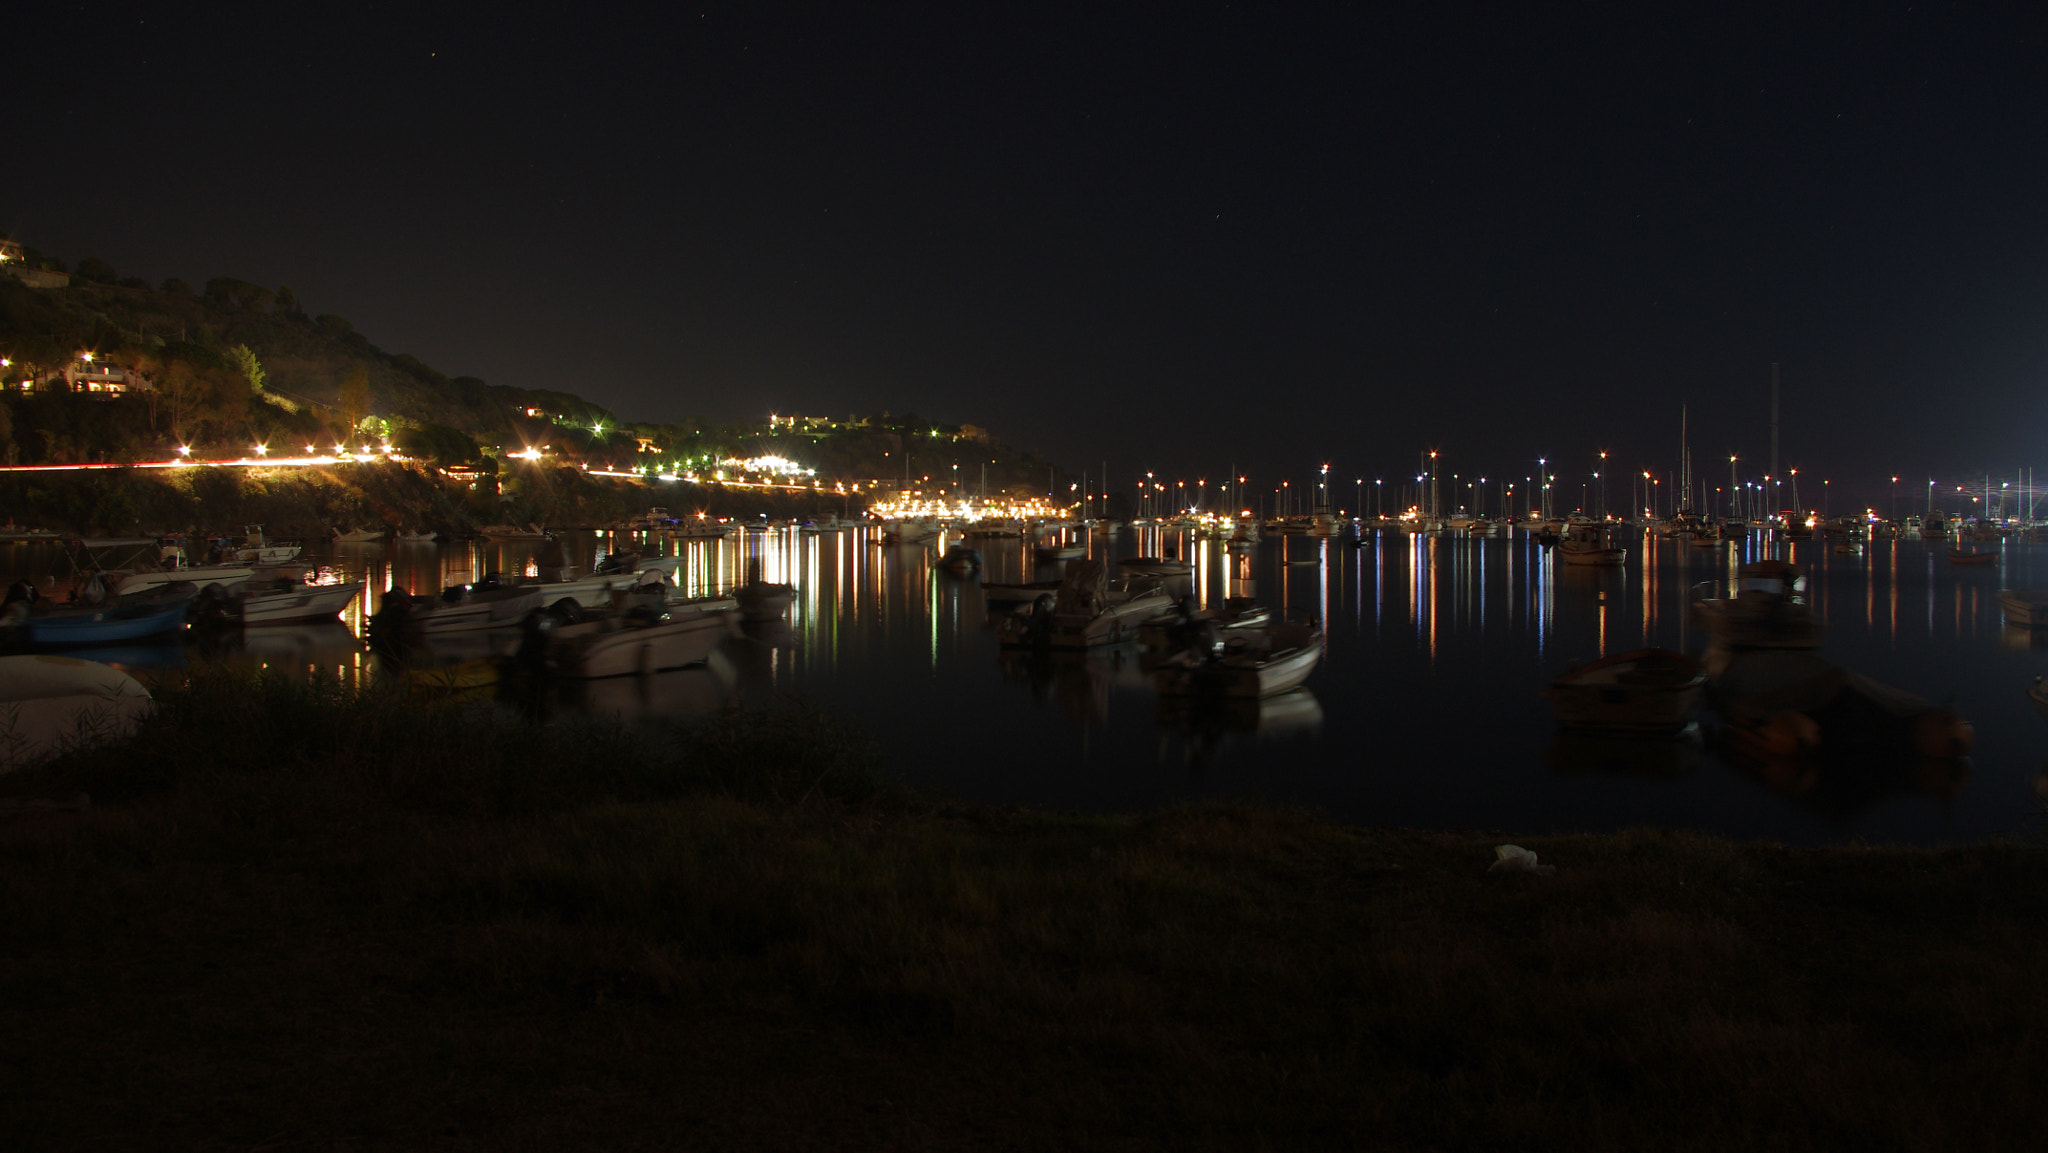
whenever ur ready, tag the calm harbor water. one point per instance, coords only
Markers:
(1424, 712)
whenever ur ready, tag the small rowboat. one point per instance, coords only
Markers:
(1647, 691)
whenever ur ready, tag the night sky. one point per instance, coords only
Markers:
(1175, 237)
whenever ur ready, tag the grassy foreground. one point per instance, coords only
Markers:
(296, 919)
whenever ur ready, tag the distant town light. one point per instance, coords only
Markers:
(262, 450)
(184, 450)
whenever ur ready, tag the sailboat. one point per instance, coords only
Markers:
(1685, 524)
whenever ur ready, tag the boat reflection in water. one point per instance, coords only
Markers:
(675, 695)
(1213, 724)
(1081, 682)
(321, 642)
(1666, 756)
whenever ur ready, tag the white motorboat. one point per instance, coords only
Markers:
(1649, 691)
(501, 532)
(1246, 664)
(140, 566)
(1154, 566)
(413, 536)
(908, 530)
(1591, 543)
(357, 535)
(253, 549)
(634, 643)
(1181, 626)
(602, 589)
(1085, 612)
(702, 527)
(282, 600)
(484, 606)
(1055, 553)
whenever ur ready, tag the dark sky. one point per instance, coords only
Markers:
(1170, 237)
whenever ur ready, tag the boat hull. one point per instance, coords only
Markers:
(615, 648)
(1280, 660)
(111, 624)
(1645, 691)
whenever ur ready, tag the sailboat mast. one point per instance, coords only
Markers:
(1773, 477)
(1684, 462)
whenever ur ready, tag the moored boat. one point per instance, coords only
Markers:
(51, 703)
(285, 600)
(255, 549)
(2027, 608)
(1971, 555)
(762, 600)
(1764, 608)
(960, 560)
(482, 606)
(1007, 595)
(113, 621)
(632, 643)
(1085, 612)
(504, 532)
(1247, 664)
(1154, 566)
(1591, 543)
(1649, 691)
(1793, 704)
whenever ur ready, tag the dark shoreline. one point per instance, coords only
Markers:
(296, 915)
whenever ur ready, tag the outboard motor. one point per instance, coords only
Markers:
(387, 624)
(1039, 628)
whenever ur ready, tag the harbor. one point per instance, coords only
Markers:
(1426, 707)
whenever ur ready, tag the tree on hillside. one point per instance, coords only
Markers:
(436, 442)
(245, 361)
(176, 287)
(355, 395)
(94, 269)
(239, 295)
(288, 302)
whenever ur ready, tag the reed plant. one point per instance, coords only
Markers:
(298, 914)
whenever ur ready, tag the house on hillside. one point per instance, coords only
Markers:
(102, 381)
(14, 261)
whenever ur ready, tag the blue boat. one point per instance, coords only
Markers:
(112, 623)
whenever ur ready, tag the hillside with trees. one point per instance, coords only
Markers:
(227, 365)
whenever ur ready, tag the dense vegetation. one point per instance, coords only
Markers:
(307, 502)
(293, 915)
